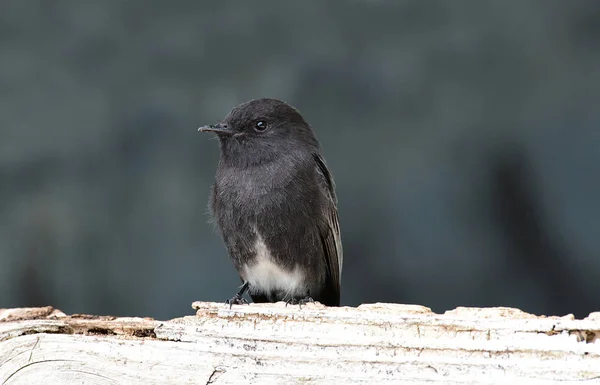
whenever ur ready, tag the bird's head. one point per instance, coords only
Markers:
(262, 129)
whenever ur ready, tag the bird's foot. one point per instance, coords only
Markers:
(236, 300)
(299, 302)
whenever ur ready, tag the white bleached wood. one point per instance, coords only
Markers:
(275, 344)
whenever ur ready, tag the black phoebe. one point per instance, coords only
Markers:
(275, 205)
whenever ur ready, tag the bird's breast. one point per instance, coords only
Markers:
(267, 184)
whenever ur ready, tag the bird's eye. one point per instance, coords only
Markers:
(260, 126)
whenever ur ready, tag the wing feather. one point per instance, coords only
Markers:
(330, 233)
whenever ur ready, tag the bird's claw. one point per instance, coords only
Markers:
(299, 302)
(236, 300)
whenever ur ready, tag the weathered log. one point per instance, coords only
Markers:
(275, 344)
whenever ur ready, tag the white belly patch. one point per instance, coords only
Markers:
(264, 275)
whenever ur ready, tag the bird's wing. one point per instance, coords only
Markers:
(330, 234)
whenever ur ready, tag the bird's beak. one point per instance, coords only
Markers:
(216, 128)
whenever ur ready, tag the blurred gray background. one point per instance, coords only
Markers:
(464, 138)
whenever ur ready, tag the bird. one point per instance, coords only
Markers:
(275, 206)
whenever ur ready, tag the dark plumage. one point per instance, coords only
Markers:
(275, 205)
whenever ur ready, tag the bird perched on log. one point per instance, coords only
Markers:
(275, 205)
